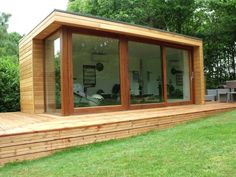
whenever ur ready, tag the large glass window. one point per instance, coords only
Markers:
(145, 73)
(95, 71)
(178, 81)
(52, 74)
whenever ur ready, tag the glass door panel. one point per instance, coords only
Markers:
(96, 71)
(52, 72)
(145, 73)
(178, 76)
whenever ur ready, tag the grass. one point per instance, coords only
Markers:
(199, 149)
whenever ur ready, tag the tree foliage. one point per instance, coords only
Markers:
(9, 84)
(212, 20)
(165, 14)
(9, 74)
(220, 41)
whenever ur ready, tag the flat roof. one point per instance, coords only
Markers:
(58, 18)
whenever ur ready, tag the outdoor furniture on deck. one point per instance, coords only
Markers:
(227, 94)
(211, 95)
(222, 95)
(232, 93)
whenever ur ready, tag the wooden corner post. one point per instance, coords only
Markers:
(199, 81)
(124, 73)
(164, 76)
(66, 73)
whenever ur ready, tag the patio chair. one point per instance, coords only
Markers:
(222, 95)
(211, 95)
(231, 94)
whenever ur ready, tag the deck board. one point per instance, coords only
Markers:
(13, 123)
(27, 136)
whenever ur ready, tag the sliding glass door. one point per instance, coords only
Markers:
(114, 73)
(178, 75)
(145, 73)
(96, 71)
(52, 71)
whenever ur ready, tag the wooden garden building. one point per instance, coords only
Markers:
(133, 79)
(77, 64)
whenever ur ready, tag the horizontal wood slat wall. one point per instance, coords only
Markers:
(31, 76)
(38, 75)
(31, 145)
(26, 77)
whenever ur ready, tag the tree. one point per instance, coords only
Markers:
(9, 85)
(219, 41)
(3, 24)
(123, 10)
(164, 14)
(9, 41)
(9, 74)
(212, 20)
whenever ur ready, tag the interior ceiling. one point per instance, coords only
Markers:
(95, 44)
(142, 50)
(172, 53)
(108, 46)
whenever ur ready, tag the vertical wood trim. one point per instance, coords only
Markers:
(64, 86)
(164, 75)
(124, 73)
(191, 75)
(66, 76)
(44, 76)
(32, 72)
(199, 81)
(70, 72)
(38, 75)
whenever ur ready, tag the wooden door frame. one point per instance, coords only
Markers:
(164, 74)
(67, 96)
(124, 73)
(67, 73)
(191, 81)
(124, 84)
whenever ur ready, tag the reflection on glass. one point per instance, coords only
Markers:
(95, 71)
(145, 73)
(52, 74)
(178, 82)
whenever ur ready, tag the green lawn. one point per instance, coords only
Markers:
(199, 149)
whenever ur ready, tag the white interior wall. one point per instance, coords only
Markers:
(147, 57)
(139, 54)
(105, 79)
(179, 60)
(186, 82)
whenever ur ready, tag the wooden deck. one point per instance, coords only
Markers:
(28, 136)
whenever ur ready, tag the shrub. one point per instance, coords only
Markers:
(9, 84)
